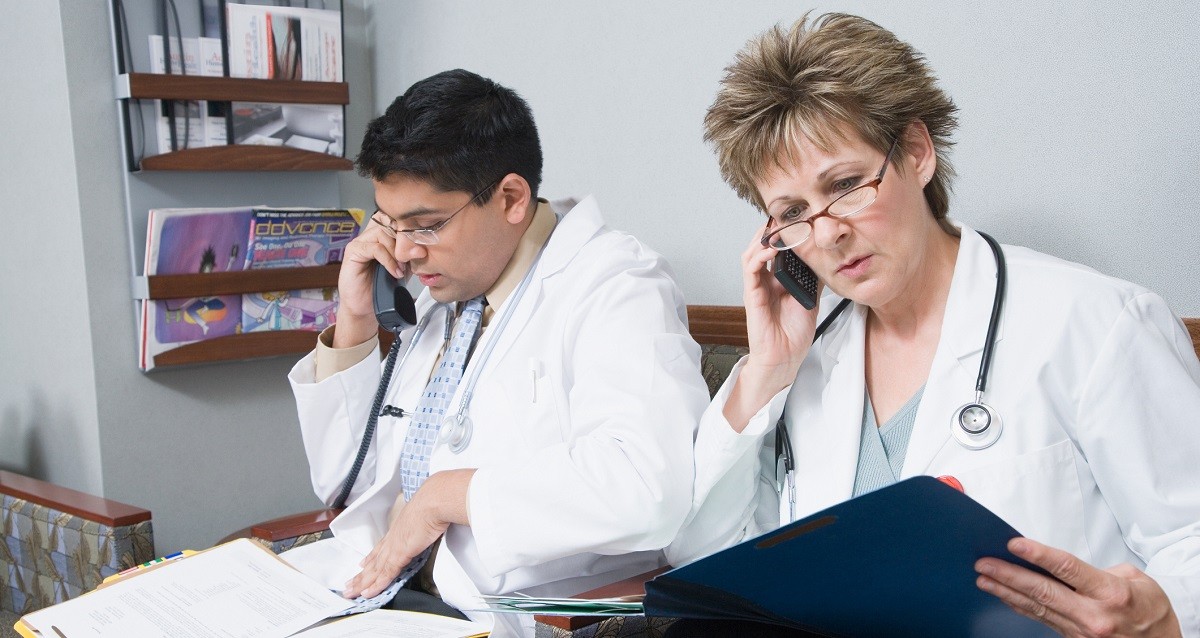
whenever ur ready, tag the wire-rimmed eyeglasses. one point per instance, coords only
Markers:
(851, 202)
(424, 236)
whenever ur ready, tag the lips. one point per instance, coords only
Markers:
(854, 267)
(428, 279)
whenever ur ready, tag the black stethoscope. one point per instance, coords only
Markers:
(975, 425)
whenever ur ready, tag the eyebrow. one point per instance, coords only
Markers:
(822, 176)
(416, 212)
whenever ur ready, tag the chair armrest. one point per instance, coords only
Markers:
(64, 499)
(295, 525)
(57, 543)
(634, 585)
(281, 534)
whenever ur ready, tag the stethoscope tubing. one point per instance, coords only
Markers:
(373, 418)
(994, 321)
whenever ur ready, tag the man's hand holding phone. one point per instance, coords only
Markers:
(356, 321)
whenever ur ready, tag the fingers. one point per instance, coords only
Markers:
(373, 244)
(380, 569)
(368, 584)
(1037, 590)
(756, 257)
(1083, 598)
(1036, 595)
(1080, 576)
(1029, 594)
(356, 316)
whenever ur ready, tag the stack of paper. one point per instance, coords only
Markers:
(236, 589)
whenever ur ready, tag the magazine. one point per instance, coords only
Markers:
(192, 240)
(197, 123)
(284, 43)
(290, 238)
(294, 237)
(189, 116)
(312, 309)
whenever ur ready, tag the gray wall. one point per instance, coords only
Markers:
(207, 449)
(48, 418)
(1079, 137)
(1080, 131)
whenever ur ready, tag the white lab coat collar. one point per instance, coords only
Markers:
(955, 366)
(577, 224)
(970, 300)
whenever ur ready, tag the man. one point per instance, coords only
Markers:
(573, 464)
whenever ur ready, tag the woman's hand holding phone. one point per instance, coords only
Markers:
(780, 333)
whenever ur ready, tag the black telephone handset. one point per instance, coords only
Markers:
(797, 278)
(395, 309)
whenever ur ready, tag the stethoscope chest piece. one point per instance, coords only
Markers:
(976, 425)
(456, 431)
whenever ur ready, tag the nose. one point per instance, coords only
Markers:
(829, 231)
(406, 250)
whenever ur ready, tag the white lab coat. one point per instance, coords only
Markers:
(1098, 386)
(583, 423)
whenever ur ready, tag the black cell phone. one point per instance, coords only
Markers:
(395, 308)
(797, 278)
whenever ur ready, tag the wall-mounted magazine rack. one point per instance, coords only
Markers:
(235, 157)
(240, 346)
(160, 179)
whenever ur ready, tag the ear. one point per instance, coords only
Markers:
(921, 156)
(515, 196)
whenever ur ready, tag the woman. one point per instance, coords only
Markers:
(838, 132)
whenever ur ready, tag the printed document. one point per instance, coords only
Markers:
(238, 589)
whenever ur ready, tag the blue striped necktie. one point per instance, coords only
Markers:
(427, 418)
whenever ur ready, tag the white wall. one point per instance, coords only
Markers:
(48, 417)
(1080, 131)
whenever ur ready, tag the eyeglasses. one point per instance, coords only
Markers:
(851, 202)
(424, 236)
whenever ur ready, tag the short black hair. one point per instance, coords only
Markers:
(457, 131)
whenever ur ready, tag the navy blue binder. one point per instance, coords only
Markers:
(895, 562)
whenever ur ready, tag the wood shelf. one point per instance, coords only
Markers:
(160, 86)
(244, 157)
(249, 345)
(236, 157)
(242, 281)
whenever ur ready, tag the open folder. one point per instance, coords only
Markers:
(895, 562)
(234, 590)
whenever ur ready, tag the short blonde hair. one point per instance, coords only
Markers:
(811, 81)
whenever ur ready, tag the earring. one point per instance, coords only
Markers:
(927, 178)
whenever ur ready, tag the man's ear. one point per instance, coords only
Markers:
(515, 196)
